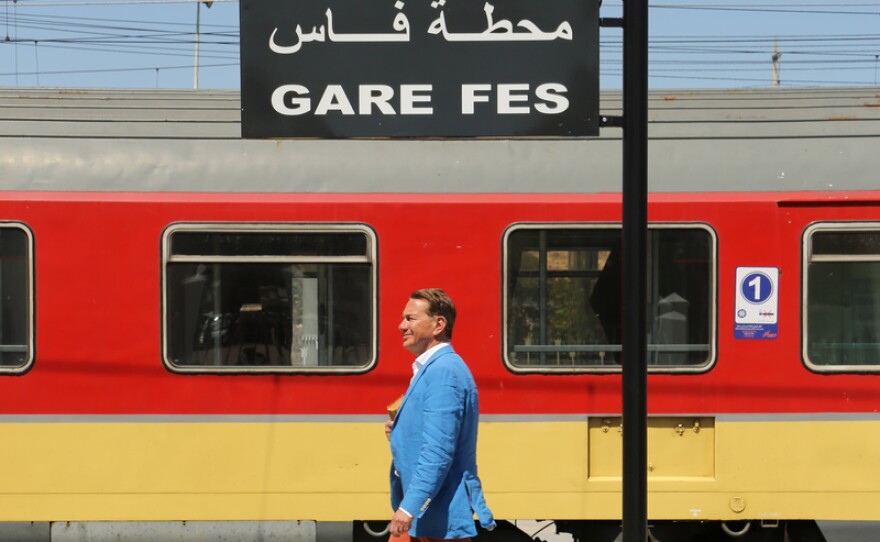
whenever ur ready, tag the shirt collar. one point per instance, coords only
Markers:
(426, 355)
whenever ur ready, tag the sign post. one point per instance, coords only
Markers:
(635, 233)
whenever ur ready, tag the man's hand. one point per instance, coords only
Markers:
(400, 523)
(388, 425)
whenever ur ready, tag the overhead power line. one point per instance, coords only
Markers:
(42, 26)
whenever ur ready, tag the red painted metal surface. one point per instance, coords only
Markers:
(98, 314)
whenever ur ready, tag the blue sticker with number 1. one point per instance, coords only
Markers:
(757, 287)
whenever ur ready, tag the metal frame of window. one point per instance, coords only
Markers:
(30, 346)
(807, 258)
(370, 257)
(712, 295)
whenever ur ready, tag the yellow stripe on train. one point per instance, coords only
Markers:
(699, 468)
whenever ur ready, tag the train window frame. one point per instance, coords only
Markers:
(370, 256)
(30, 344)
(808, 258)
(712, 296)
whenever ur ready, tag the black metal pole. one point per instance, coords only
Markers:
(635, 233)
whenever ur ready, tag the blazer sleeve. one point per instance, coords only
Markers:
(442, 419)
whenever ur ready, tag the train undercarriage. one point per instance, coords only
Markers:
(663, 531)
(373, 531)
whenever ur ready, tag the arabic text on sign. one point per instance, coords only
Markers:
(496, 31)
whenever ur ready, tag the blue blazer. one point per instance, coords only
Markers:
(434, 451)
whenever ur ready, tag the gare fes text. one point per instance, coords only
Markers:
(415, 99)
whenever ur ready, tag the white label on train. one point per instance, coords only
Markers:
(757, 303)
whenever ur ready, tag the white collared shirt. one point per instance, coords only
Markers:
(426, 355)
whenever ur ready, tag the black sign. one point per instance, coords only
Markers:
(419, 68)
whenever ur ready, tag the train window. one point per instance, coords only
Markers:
(16, 298)
(563, 293)
(842, 297)
(269, 298)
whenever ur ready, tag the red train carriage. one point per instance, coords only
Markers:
(199, 333)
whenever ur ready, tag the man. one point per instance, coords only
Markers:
(434, 485)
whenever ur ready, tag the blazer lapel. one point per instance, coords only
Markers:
(417, 377)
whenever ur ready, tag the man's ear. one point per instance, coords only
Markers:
(440, 330)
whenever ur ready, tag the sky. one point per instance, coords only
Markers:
(145, 44)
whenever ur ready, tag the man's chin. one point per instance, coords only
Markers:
(413, 348)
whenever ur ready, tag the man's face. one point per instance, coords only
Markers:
(420, 331)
